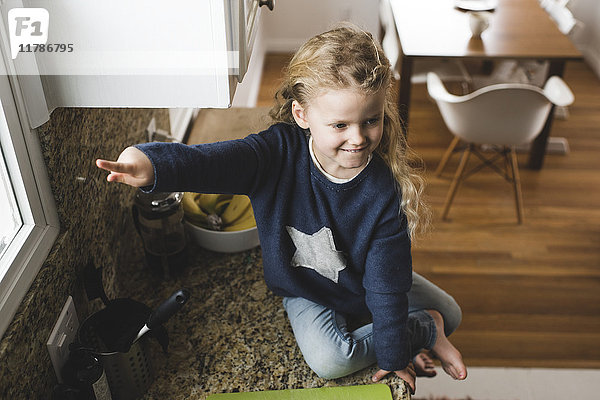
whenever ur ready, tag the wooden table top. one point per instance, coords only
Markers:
(518, 29)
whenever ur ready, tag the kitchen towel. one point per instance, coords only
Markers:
(361, 392)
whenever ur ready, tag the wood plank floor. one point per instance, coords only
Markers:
(530, 293)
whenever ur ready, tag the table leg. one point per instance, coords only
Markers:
(404, 91)
(538, 147)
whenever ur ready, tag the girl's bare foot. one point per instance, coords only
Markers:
(450, 357)
(424, 365)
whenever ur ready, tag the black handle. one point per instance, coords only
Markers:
(92, 281)
(269, 3)
(168, 308)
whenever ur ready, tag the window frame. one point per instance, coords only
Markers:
(22, 152)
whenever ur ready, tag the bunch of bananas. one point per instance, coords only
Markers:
(219, 212)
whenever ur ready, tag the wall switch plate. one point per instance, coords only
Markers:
(63, 334)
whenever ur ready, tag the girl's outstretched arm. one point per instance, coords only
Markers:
(132, 168)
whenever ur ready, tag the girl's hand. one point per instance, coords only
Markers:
(132, 168)
(407, 374)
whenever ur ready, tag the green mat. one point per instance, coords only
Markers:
(363, 392)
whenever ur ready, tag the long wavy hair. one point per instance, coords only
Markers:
(349, 58)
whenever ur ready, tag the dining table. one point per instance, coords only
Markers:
(518, 30)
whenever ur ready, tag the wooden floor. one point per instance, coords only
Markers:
(530, 293)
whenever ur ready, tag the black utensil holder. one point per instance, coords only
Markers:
(129, 374)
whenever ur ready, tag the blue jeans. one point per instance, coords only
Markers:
(332, 351)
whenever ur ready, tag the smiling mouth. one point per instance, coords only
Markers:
(354, 150)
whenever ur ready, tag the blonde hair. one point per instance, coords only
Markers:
(348, 57)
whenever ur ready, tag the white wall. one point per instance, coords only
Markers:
(587, 38)
(292, 22)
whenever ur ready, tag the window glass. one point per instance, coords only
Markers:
(28, 219)
(10, 217)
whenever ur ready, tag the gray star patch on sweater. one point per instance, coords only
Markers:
(318, 252)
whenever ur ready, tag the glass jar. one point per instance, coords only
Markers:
(159, 221)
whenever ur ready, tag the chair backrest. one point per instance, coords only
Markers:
(502, 114)
(549, 3)
(563, 17)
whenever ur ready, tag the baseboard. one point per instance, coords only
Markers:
(592, 58)
(276, 45)
(555, 145)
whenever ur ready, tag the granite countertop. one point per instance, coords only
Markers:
(232, 336)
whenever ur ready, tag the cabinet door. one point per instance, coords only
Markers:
(245, 29)
(138, 53)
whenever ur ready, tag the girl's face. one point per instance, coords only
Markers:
(346, 126)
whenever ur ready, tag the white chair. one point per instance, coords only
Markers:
(562, 16)
(503, 116)
(547, 4)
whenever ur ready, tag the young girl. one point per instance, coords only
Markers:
(336, 203)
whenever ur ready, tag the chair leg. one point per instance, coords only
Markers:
(456, 181)
(517, 184)
(446, 156)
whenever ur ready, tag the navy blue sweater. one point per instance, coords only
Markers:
(344, 246)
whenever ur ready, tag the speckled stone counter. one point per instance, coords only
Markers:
(95, 226)
(232, 336)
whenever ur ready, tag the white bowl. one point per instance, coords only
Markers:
(224, 242)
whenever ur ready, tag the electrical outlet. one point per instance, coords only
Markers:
(63, 334)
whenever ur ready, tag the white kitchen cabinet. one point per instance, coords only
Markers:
(136, 53)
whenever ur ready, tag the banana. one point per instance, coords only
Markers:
(190, 206)
(238, 206)
(211, 221)
(203, 209)
(198, 221)
(208, 202)
(219, 211)
(245, 221)
(222, 204)
(192, 211)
